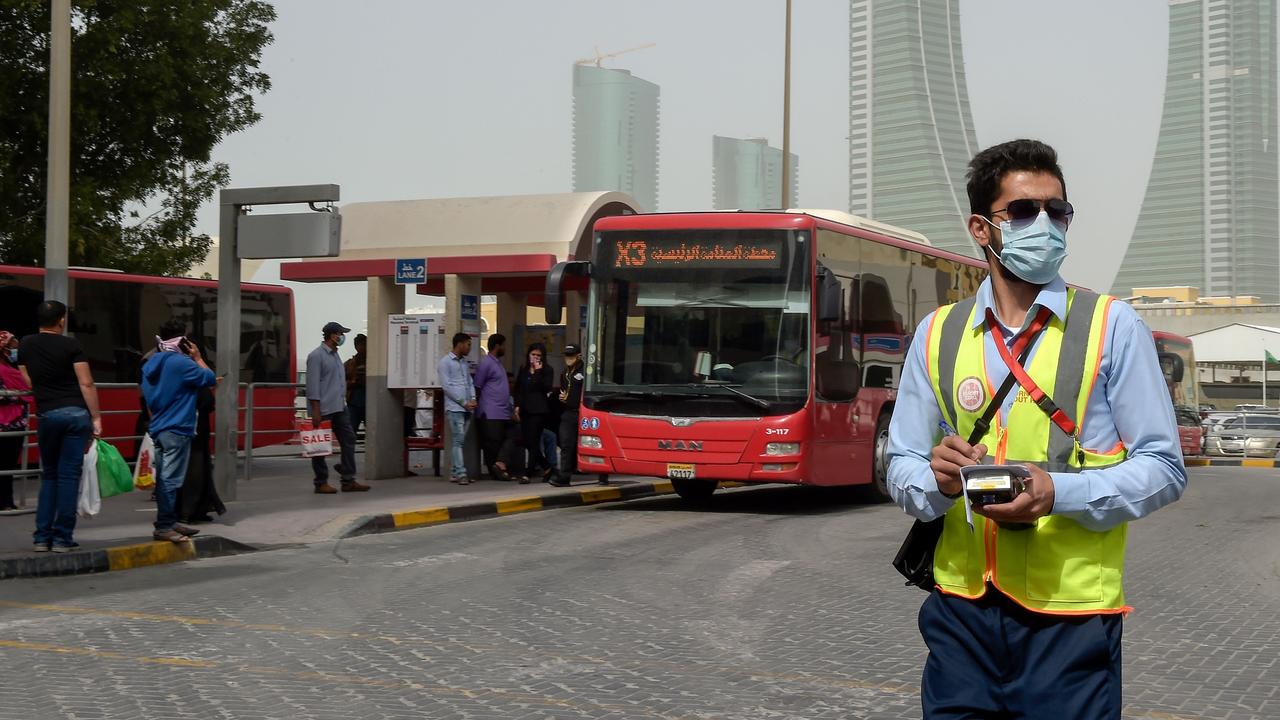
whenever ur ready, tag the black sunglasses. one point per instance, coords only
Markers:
(1027, 209)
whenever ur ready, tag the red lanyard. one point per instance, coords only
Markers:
(1038, 396)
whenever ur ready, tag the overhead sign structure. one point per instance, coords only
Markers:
(289, 235)
(414, 344)
(411, 271)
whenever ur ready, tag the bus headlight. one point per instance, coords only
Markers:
(589, 441)
(782, 449)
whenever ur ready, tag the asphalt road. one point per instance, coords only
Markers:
(776, 603)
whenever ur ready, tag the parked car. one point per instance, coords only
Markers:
(1190, 432)
(1246, 435)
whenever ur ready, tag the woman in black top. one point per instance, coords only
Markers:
(534, 384)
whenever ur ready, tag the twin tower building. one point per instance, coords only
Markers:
(1211, 212)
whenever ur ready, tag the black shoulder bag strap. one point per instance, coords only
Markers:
(914, 560)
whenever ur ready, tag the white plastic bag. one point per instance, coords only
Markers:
(316, 442)
(144, 472)
(90, 502)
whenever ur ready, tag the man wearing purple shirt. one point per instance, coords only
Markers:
(494, 410)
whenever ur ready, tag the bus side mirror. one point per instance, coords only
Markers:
(554, 296)
(1172, 366)
(828, 295)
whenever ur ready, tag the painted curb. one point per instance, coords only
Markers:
(122, 557)
(593, 495)
(1231, 462)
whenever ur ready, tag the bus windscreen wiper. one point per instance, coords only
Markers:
(750, 399)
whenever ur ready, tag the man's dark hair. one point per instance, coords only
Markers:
(459, 338)
(49, 313)
(172, 329)
(988, 168)
(361, 337)
(495, 340)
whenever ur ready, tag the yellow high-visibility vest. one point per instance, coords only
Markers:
(1058, 566)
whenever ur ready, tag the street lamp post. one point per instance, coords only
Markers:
(58, 180)
(786, 116)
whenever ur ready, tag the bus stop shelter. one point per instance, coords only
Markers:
(501, 246)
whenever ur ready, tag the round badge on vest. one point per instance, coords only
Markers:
(971, 394)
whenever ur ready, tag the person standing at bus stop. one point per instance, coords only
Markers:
(571, 402)
(534, 384)
(57, 370)
(326, 397)
(14, 410)
(459, 402)
(355, 368)
(1025, 617)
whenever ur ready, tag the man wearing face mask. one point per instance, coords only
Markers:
(1024, 617)
(327, 400)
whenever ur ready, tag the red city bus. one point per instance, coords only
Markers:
(1178, 362)
(115, 317)
(750, 346)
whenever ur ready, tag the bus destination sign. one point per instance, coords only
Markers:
(651, 253)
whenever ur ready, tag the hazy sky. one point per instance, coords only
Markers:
(417, 99)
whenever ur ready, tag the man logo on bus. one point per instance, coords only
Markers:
(971, 394)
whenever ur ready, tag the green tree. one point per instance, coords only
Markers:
(155, 85)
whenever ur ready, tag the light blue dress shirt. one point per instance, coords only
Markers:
(1130, 404)
(455, 379)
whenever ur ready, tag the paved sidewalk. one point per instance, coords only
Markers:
(278, 507)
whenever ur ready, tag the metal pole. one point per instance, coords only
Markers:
(227, 409)
(248, 433)
(58, 180)
(1264, 378)
(786, 116)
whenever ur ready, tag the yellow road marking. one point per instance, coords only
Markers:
(595, 495)
(1196, 462)
(1256, 462)
(663, 486)
(425, 516)
(153, 553)
(521, 504)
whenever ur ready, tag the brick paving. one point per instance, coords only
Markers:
(774, 603)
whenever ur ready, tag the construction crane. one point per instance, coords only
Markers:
(596, 60)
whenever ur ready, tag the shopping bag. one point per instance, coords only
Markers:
(90, 500)
(144, 472)
(315, 441)
(114, 477)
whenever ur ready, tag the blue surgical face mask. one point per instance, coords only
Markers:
(1033, 251)
(341, 339)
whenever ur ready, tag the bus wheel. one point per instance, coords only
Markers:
(880, 461)
(694, 491)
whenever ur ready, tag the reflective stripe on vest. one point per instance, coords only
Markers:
(1059, 566)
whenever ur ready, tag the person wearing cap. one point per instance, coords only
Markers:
(326, 398)
(571, 400)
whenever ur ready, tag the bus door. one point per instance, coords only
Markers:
(837, 372)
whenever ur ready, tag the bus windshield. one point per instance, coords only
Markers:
(712, 323)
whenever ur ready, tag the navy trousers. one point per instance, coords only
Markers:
(991, 658)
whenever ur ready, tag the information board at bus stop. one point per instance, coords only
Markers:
(414, 344)
(471, 325)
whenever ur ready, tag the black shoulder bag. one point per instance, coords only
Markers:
(915, 558)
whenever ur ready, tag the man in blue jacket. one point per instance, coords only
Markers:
(171, 379)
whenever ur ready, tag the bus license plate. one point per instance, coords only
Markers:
(680, 471)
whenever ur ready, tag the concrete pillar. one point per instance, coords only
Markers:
(573, 302)
(455, 286)
(384, 434)
(511, 312)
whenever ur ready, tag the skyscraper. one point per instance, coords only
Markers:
(747, 174)
(910, 131)
(615, 133)
(1209, 217)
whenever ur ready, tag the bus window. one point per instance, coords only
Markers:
(883, 289)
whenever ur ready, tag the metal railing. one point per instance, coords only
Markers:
(24, 472)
